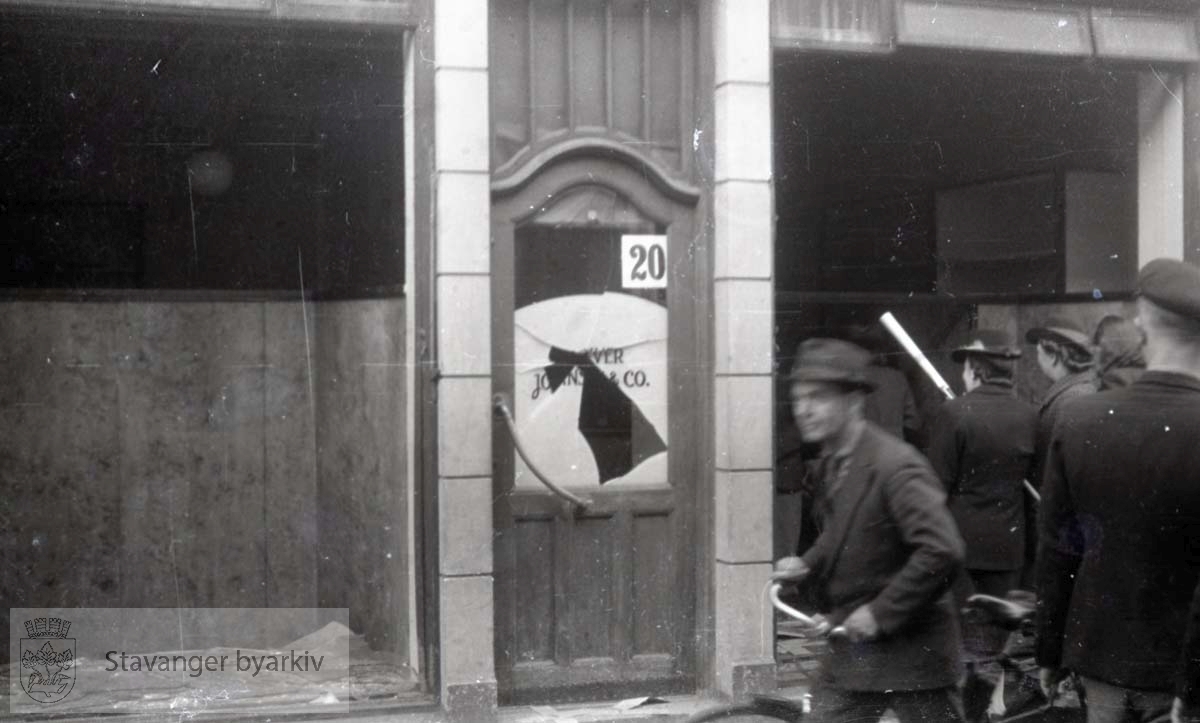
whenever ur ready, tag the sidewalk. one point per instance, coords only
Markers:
(797, 659)
(671, 710)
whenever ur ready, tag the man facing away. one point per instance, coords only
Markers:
(1120, 519)
(885, 557)
(1119, 358)
(1064, 355)
(982, 448)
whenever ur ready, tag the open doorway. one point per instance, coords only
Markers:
(954, 190)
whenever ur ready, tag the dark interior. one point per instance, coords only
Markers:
(864, 143)
(169, 155)
(938, 187)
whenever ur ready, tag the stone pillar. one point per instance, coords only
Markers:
(744, 339)
(1160, 165)
(462, 238)
(1191, 160)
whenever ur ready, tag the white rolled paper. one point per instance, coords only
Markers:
(889, 322)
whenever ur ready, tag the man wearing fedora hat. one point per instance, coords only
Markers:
(982, 448)
(885, 556)
(1119, 556)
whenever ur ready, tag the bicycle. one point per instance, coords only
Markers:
(1021, 701)
(1015, 694)
(771, 707)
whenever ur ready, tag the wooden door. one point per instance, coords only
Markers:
(595, 602)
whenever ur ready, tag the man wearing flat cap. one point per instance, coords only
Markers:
(885, 557)
(1119, 359)
(982, 449)
(1064, 355)
(1119, 555)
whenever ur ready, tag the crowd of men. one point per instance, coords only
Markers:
(1092, 499)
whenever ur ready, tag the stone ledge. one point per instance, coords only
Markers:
(753, 678)
(470, 701)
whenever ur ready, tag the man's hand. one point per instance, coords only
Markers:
(1048, 679)
(790, 568)
(861, 625)
(820, 626)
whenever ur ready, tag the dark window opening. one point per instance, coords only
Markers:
(232, 431)
(201, 156)
(919, 175)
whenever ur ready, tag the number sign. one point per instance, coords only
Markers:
(643, 261)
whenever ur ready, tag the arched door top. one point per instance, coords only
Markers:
(600, 161)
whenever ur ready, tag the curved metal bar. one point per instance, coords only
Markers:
(820, 628)
(500, 404)
(786, 609)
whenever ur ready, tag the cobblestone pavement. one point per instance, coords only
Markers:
(796, 654)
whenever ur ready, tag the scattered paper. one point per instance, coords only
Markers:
(631, 703)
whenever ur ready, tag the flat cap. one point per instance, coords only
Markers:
(832, 360)
(992, 343)
(1062, 332)
(1173, 285)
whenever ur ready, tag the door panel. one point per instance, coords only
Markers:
(589, 599)
(593, 602)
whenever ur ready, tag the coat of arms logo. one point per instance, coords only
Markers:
(47, 660)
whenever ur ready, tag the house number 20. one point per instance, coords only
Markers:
(644, 261)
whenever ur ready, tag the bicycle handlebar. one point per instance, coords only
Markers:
(816, 625)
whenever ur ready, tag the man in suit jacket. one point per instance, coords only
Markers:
(886, 555)
(982, 449)
(1120, 521)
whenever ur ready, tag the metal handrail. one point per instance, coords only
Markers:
(500, 405)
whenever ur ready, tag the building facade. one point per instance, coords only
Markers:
(468, 316)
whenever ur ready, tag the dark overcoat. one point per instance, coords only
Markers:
(982, 449)
(888, 541)
(1120, 532)
(1069, 387)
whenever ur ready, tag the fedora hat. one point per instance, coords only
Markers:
(1062, 332)
(992, 343)
(832, 360)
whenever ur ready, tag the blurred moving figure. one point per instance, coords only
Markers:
(886, 554)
